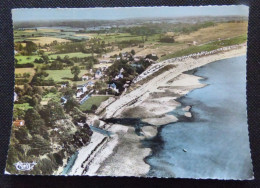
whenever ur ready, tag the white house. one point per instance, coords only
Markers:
(83, 87)
(113, 87)
(120, 75)
(79, 93)
(15, 97)
(98, 74)
(84, 77)
(63, 85)
(63, 100)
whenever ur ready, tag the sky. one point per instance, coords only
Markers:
(41, 14)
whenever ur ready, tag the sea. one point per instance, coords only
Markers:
(213, 144)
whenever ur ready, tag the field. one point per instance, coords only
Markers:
(207, 47)
(22, 59)
(49, 96)
(46, 40)
(102, 65)
(31, 71)
(94, 100)
(62, 75)
(75, 54)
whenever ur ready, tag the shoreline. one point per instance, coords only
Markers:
(123, 153)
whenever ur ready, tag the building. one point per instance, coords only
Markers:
(84, 77)
(98, 74)
(63, 100)
(113, 87)
(19, 123)
(63, 85)
(83, 87)
(90, 83)
(79, 93)
(120, 75)
(15, 97)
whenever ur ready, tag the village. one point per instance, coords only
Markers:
(66, 80)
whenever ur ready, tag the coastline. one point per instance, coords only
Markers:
(122, 154)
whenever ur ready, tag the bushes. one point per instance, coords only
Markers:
(25, 65)
(167, 39)
(21, 81)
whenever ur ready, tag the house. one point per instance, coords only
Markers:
(63, 100)
(105, 61)
(15, 97)
(83, 87)
(120, 75)
(113, 87)
(194, 43)
(19, 123)
(84, 77)
(98, 74)
(90, 83)
(79, 93)
(63, 85)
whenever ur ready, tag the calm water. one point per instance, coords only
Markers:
(216, 141)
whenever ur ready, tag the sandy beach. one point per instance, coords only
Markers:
(122, 154)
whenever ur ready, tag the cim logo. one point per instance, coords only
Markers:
(24, 166)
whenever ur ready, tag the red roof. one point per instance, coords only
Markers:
(19, 123)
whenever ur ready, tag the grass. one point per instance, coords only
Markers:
(207, 47)
(46, 40)
(31, 71)
(49, 96)
(94, 100)
(24, 106)
(62, 75)
(75, 54)
(22, 59)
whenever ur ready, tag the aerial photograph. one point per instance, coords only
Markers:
(133, 91)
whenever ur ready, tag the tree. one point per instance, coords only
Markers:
(133, 52)
(37, 90)
(89, 65)
(93, 107)
(70, 104)
(30, 47)
(75, 70)
(33, 120)
(52, 111)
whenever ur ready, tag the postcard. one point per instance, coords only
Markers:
(136, 91)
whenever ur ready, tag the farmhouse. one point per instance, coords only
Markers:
(19, 123)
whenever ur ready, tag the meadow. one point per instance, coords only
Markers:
(94, 100)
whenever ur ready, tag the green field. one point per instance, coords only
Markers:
(62, 75)
(207, 47)
(24, 106)
(75, 54)
(49, 96)
(22, 59)
(94, 100)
